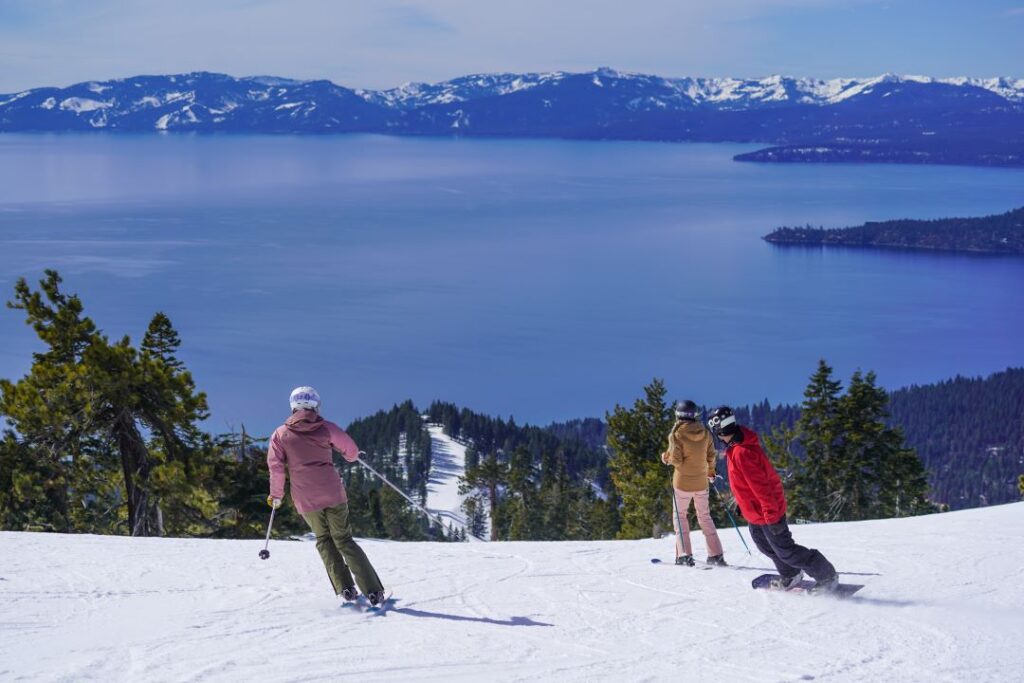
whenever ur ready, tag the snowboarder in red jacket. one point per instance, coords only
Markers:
(758, 492)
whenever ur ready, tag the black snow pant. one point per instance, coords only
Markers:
(775, 541)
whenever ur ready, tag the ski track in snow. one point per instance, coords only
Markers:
(942, 601)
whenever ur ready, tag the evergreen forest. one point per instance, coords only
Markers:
(105, 435)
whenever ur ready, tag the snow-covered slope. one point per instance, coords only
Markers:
(943, 601)
(448, 463)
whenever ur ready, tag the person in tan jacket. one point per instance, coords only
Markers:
(691, 451)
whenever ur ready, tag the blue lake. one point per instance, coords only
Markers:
(544, 279)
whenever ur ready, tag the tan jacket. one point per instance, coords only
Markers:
(691, 450)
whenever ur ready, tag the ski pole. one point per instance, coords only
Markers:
(731, 518)
(679, 522)
(264, 554)
(416, 505)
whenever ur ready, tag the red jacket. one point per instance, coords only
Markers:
(755, 483)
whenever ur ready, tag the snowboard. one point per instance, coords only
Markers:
(843, 590)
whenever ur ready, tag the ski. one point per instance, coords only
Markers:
(698, 565)
(381, 606)
(362, 604)
(843, 590)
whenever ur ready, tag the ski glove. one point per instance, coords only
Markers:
(273, 502)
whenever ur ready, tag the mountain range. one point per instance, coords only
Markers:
(886, 118)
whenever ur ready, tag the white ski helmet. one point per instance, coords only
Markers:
(304, 398)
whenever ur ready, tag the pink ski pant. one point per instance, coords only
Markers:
(707, 525)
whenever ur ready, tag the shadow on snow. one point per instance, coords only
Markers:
(512, 621)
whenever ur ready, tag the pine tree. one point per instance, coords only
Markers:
(556, 496)
(841, 461)
(519, 505)
(162, 341)
(877, 476)
(486, 480)
(476, 519)
(32, 495)
(637, 438)
(400, 522)
(84, 411)
(818, 432)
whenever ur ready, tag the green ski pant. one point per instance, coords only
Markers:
(339, 551)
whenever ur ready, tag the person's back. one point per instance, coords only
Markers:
(305, 443)
(691, 452)
(301, 450)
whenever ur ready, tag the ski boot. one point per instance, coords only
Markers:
(784, 583)
(376, 597)
(350, 594)
(685, 560)
(716, 561)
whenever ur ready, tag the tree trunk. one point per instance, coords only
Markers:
(493, 491)
(135, 464)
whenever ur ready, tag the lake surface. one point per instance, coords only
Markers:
(541, 278)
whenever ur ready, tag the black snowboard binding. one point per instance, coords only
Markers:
(784, 583)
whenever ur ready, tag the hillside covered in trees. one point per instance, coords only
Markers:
(532, 483)
(998, 234)
(105, 436)
(968, 432)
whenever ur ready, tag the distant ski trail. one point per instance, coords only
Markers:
(448, 464)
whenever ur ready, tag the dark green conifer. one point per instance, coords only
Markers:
(636, 438)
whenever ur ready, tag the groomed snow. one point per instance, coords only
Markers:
(448, 463)
(943, 601)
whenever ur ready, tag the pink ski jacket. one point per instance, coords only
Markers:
(301, 447)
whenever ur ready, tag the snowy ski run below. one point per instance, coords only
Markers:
(943, 600)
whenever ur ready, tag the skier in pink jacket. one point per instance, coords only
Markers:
(301, 449)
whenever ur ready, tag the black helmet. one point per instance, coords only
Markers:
(722, 421)
(686, 410)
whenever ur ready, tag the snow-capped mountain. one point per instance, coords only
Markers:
(983, 119)
(198, 101)
(676, 93)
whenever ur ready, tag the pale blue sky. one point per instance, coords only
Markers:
(383, 43)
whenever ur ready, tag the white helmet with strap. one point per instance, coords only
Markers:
(304, 398)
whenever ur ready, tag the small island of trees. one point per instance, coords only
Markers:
(999, 234)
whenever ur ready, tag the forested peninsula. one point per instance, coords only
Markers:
(999, 234)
